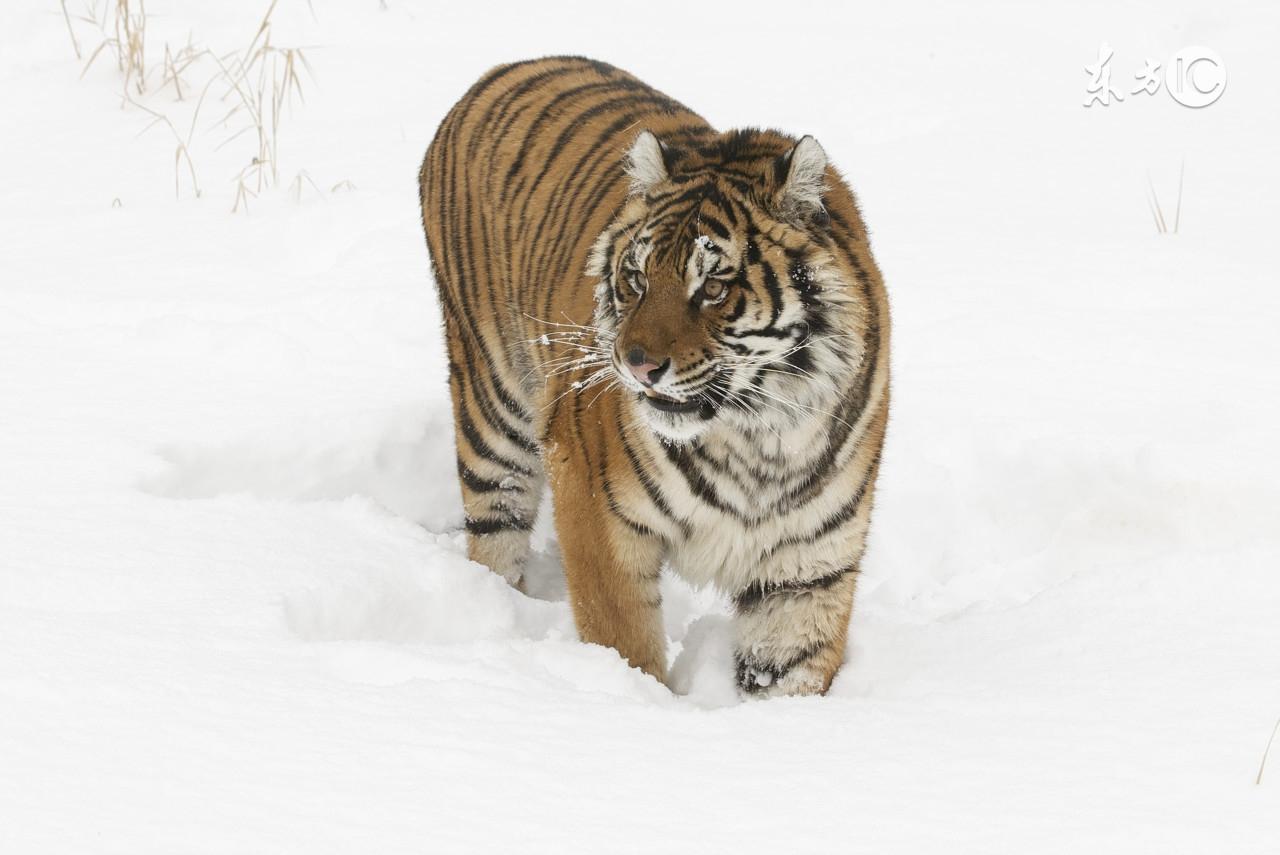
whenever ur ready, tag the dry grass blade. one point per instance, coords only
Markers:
(176, 65)
(131, 38)
(1154, 216)
(1263, 765)
(243, 192)
(92, 57)
(263, 29)
(1177, 213)
(1154, 201)
(181, 153)
(66, 16)
(169, 72)
(296, 187)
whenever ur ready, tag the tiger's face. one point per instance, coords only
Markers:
(719, 288)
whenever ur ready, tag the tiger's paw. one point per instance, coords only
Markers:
(761, 681)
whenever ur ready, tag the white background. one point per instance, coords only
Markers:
(235, 609)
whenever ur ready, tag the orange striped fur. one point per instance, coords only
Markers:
(685, 334)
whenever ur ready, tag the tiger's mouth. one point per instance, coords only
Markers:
(670, 405)
(703, 405)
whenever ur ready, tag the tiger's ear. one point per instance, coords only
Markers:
(646, 163)
(801, 192)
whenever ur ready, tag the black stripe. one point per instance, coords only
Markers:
(548, 113)
(698, 485)
(495, 525)
(475, 483)
(774, 290)
(715, 225)
(842, 515)
(723, 468)
(646, 480)
(754, 594)
(616, 509)
(478, 444)
(481, 398)
(498, 125)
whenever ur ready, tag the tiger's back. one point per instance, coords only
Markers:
(686, 332)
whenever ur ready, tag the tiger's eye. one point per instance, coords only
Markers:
(714, 289)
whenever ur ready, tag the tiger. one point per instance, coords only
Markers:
(683, 333)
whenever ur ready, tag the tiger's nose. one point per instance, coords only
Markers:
(643, 368)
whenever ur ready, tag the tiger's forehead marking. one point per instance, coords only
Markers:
(704, 259)
(694, 231)
(638, 249)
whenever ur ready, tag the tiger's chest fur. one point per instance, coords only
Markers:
(759, 507)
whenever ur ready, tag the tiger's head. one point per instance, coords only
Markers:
(721, 286)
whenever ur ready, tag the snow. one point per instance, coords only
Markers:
(235, 609)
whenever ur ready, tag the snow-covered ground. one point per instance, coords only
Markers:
(235, 609)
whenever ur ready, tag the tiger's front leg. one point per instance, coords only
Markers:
(790, 635)
(612, 568)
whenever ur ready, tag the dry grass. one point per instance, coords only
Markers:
(123, 27)
(182, 145)
(259, 85)
(176, 64)
(262, 82)
(300, 182)
(1157, 212)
